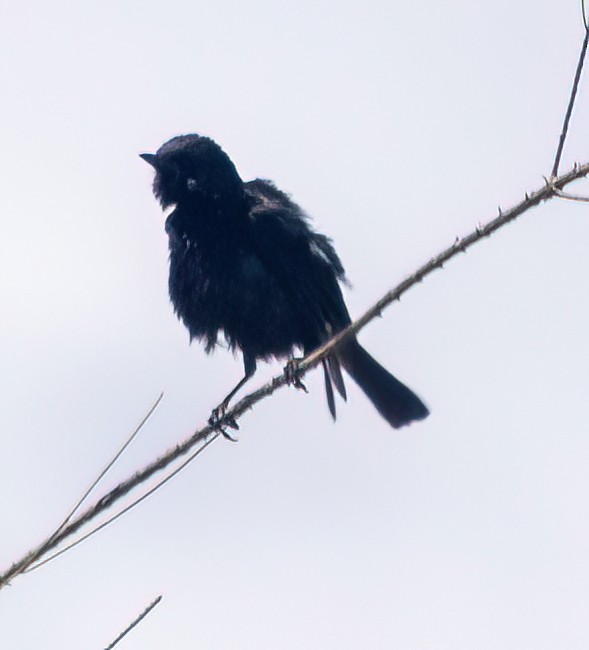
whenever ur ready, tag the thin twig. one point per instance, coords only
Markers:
(110, 464)
(126, 509)
(548, 191)
(138, 620)
(572, 197)
(56, 536)
(567, 117)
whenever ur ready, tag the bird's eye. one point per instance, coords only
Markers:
(191, 184)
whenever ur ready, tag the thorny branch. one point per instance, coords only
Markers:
(553, 187)
(206, 435)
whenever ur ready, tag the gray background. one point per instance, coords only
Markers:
(398, 126)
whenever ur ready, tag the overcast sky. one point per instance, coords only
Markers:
(397, 126)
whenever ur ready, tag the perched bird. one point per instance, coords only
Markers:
(245, 262)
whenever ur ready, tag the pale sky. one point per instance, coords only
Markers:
(397, 126)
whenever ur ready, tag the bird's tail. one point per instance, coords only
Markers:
(397, 404)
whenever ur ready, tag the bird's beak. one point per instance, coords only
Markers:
(150, 158)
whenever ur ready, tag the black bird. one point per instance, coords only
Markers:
(244, 261)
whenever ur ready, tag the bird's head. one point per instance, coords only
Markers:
(193, 167)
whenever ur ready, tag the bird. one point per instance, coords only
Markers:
(247, 266)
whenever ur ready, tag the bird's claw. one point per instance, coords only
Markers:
(293, 375)
(218, 419)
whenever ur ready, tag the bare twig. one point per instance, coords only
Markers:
(134, 623)
(110, 464)
(126, 509)
(572, 197)
(209, 433)
(54, 538)
(567, 117)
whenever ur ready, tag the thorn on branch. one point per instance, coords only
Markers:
(459, 244)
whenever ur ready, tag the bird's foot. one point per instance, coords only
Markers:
(294, 374)
(218, 420)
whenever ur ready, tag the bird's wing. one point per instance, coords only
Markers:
(303, 262)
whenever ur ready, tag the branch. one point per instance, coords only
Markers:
(572, 197)
(126, 509)
(103, 473)
(567, 117)
(138, 620)
(206, 435)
